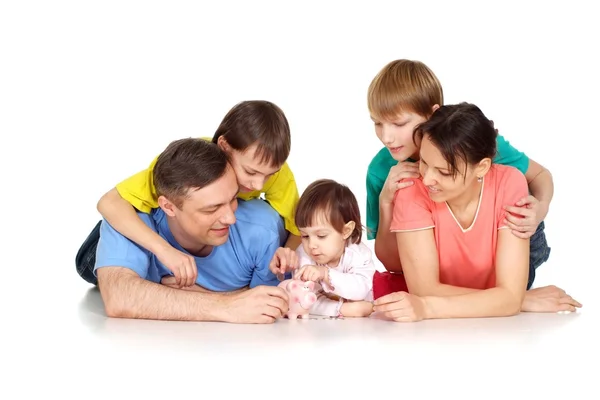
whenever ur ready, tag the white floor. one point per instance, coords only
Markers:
(537, 355)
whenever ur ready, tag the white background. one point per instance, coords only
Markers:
(91, 92)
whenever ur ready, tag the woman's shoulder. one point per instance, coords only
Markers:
(506, 175)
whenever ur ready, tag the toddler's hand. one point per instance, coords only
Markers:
(311, 273)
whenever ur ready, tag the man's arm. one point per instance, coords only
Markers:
(170, 281)
(127, 295)
(121, 268)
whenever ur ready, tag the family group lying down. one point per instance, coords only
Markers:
(212, 227)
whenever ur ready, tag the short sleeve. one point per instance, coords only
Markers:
(412, 209)
(511, 188)
(139, 191)
(374, 187)
(281, 192)
(508, 155)
(115, 250)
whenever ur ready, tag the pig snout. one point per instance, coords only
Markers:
(308, 300)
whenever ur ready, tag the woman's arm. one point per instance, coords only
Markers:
(512, 268)
(505, 299)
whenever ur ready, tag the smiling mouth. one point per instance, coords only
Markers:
(433, 190)
(395, 149)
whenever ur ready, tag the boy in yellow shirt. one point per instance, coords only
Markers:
(256, 136)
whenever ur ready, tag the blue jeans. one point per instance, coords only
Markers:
(539, 252)
(85, 260)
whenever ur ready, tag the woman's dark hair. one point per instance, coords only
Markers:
(460, 132)
(337, 203)
(261, 122)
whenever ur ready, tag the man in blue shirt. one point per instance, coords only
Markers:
(231, 240)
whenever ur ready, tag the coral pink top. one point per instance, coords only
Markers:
(466, 256)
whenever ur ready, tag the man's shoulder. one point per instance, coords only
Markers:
(380, 164)
(257, 214)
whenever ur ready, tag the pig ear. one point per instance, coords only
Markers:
(311, 285)
(293, 285)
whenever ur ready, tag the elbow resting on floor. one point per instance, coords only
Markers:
(512, 305)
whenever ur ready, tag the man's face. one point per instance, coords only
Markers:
(207, 213)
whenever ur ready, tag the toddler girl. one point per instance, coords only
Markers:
(332, 254)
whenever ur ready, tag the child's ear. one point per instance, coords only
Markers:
(348, 229)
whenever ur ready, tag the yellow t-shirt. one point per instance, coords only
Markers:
(280, 191)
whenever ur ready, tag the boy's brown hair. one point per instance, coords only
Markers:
(260, 122)
(337, 203)
(190, 163)
(404, 86)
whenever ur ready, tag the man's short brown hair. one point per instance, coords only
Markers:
(257, 122)
(185, 164)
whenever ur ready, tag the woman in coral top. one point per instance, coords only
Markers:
(458, 257)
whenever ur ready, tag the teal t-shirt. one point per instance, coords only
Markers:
(380, 166)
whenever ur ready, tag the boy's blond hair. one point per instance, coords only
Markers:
(404, 86)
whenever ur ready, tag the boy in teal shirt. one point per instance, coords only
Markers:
(404, 94)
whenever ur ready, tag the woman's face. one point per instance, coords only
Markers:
(438, 178)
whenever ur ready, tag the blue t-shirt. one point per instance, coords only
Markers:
(241, 261)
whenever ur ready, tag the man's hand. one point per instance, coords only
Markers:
(183, 266)
(283, 260)
(312, 273)
(260, 305)
(524, 217)
(403, 170)
(401, 307)
(549, 299)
